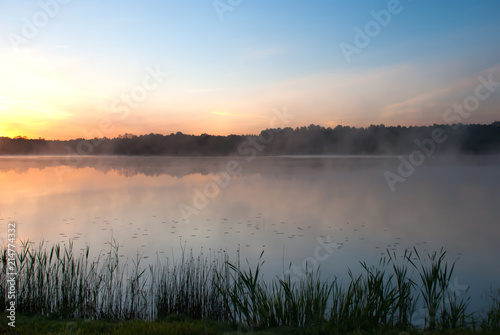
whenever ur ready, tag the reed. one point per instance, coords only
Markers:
(405, 302)
(190, 286)
(283, 302)
(491, 321)
(57, 282)
(372, 300)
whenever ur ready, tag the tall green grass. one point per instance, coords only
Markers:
(491, 321)
(58, 282)
(282, 302)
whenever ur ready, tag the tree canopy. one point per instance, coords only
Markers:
(311, 140)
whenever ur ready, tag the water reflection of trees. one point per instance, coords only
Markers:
(275, 167)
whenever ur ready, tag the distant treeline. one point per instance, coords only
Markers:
(311, 140)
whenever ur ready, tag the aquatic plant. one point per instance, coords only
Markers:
(57, 282)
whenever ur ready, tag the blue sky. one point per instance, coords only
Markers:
(231, 75)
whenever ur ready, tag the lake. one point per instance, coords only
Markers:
(330, 212)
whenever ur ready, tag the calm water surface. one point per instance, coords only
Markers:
(331, 211)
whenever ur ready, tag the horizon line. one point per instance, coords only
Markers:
(249, 134)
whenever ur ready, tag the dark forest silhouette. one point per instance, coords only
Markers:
(311, 140)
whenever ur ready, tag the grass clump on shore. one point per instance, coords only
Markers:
(57, 284)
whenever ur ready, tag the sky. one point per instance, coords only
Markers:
(94, 68)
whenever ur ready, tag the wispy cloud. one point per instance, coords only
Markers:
(400, 94)
(436, 102)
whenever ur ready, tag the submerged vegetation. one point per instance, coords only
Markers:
(56, 283)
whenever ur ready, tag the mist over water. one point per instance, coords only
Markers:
(287, 206)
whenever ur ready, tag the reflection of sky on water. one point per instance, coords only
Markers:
(282, 205)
